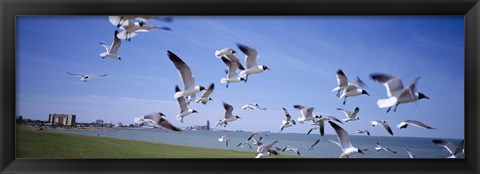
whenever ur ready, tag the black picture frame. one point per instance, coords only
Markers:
(9, 9)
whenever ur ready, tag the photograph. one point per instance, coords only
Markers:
(240, 87)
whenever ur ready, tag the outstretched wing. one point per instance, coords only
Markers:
(183, 70)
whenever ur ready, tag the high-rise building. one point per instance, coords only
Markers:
(61, 119)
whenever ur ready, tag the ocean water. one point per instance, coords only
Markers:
(420, 147)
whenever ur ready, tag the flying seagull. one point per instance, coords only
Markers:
(350, 91)
(224, 139)
(320, 122)
(344, 142)
(396, 92)
(120, 20)
(131, 29)
(206, 95)
(290, 148)
(451, 148)
(85, 77)
(229, 117)
(264, 150)
(156, 119)
(419, 124)
(251, 62)
(231, 73)
(384, 124)
(256, 133)
(351, 116)
(184, 111)
(342, 82)
(362, 132)
(253, 106)
(112, 50)
(379, 148)
(229, 53)
(187, 77)
(288, 120)
(244, 142)
(312, 146)
(306, 113)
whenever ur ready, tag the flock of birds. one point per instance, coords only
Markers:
(236, 72)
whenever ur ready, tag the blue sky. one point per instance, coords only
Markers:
(303, 54)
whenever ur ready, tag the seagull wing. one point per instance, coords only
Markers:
(234, 59)
(228, 110)
(309, 113)
(164, 123)
(322, 127)
(460, 147)
(209, 91)
(359, 82)
(182, 103)
(418, 124)
(355, 112)
(334, 118)
(393, 84)
(75, 74)
(115, 44)
(115, 20)
(341, 78)
(316, 142)
(343, 138)
(155, 117)
(183, 70)
(346, 112)
(447, 144)
(410, 154)
(250, 55)
(387, 127)
(100, 75)
(232, 67)
(287, 115)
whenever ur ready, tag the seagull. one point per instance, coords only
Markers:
(350, 91)
(311, 146)
(184, 111)
(112, 50)
(320, 121)
(224, 139)
(378, 148)
(229, 117)
(362, 132)
(265, 150)
(454, 150)
(290, 148)
(410, 154)
(157, 119)
(231, 72)
(307, 113)
(256, 133)
(351, 116)
(205, 96)
(229, 53)
(253, 106)
(288, 120)
(251, 62)
(120, 20)
(344, 142)
(396, 92)
(384, 124)
(187, 77)
(130, 30)
(343, 82)
(244, 142)
(85, 77)
(419, 124)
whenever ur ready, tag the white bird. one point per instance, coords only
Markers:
(120, 20)
(85, 77)
(362, 132)
(187, 77)
(244, 142)
(350, 91)
(224, 139)
(419, 124)
(184, 111)
(451, 148)
(265, 150)
(251, 57)
(320, 122)
(344, 142)
(131, 29)
(253, 106)
(290, 148)
(229, 53)
(351, 116)
(288, 120)
(156, 119)
(396, 92)
(410, 154)
(384, 124)
(311, 146)
(229, 117)
(112, 50)
(342, 82)
(379, 148)
(231, 73)
(306, 113)
(206, 95)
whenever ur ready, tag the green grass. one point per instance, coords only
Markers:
(43, 144)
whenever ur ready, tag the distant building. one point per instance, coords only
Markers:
(206, 127)
(99, 121)
(61, 119)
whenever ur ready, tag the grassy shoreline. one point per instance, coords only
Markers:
(42, 144)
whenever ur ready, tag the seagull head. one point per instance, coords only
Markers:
(365, 92)
(422, 96)
(141, 23)
(161, 114)
(265, 67)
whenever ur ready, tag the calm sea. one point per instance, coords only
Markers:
(420, 147)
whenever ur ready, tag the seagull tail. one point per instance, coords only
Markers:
(385, 103)
(179, 94)
(104, 54)
(243, 73)
(335, 89)
(223, 80)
